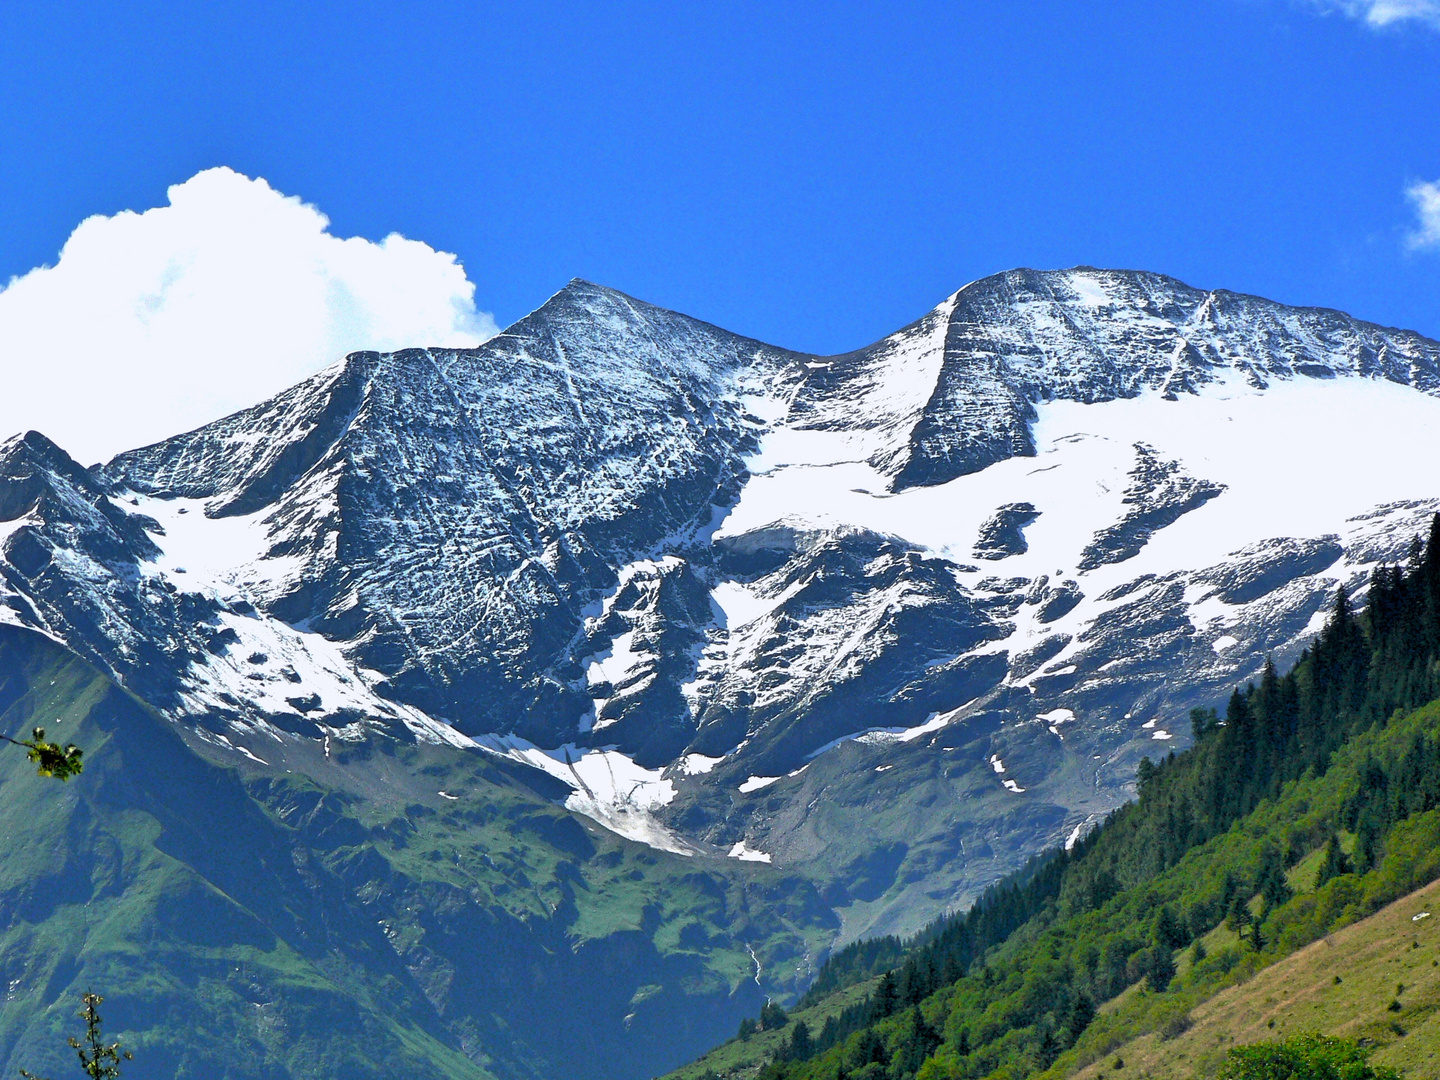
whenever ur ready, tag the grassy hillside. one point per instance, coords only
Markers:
(330, 913)
(745, 1056)
(1345, 985)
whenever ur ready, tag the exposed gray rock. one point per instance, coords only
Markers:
(1257, 571)
(1059, 600)
(1004, 533)
(1159, 494)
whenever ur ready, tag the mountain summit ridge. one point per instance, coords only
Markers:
(736, 596)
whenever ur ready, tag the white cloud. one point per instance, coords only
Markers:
(154, 323)
(1426, 197)
(1379, 13)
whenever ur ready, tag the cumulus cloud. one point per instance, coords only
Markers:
(1426, 198)
(153, 323)
(1380, 13)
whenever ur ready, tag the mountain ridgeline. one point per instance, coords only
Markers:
(1010, 986)
(633, 664)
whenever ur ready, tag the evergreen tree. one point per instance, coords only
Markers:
(1273, 886)
(885, 999)
(1161, 969)
(772, 1017)
(1335, 862)
(800, 1047)
(918, 1040)
(1239, 918)
(1170, 932)
(1082, 1012)
(869, 1049)
(1202, 723)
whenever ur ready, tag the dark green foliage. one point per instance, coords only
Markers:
(748, 1027)
(1238, 918)
(1170, 932)
(1335, 862)
(801, 1047)
(51, 759)
(99, 1060)
(1091, 925)
(853, 964)
(1304, 1057)
(1082, 1012)
(1161, 969)
(1274, 889)
(917, 1042)
(772, 1017)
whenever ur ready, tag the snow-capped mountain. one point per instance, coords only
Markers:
(898, 617)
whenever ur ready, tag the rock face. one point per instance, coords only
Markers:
(1003, 534)
(728, 594)
(1158, 494)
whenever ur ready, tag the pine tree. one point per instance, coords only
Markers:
(1335, 862)
(885, 999)
(1274, 888)
(1082, 1013)
(1238, 917)
(801, 1047)
(772, 1017)
(1161, 969)
(1170, 932)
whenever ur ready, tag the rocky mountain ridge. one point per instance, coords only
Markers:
(896, 618)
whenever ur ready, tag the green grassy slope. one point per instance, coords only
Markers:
(1300, 816)
(1344, 985)
(746, 1056)
(331, 914)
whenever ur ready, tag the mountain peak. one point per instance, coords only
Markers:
(700, 564)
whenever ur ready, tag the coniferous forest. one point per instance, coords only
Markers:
(1329, 761)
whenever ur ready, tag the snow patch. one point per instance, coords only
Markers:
(755, 783)
(609, 787)
(698, 764)
(892, 735)
(747, 854)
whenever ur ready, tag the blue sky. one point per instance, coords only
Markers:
(814, 175)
